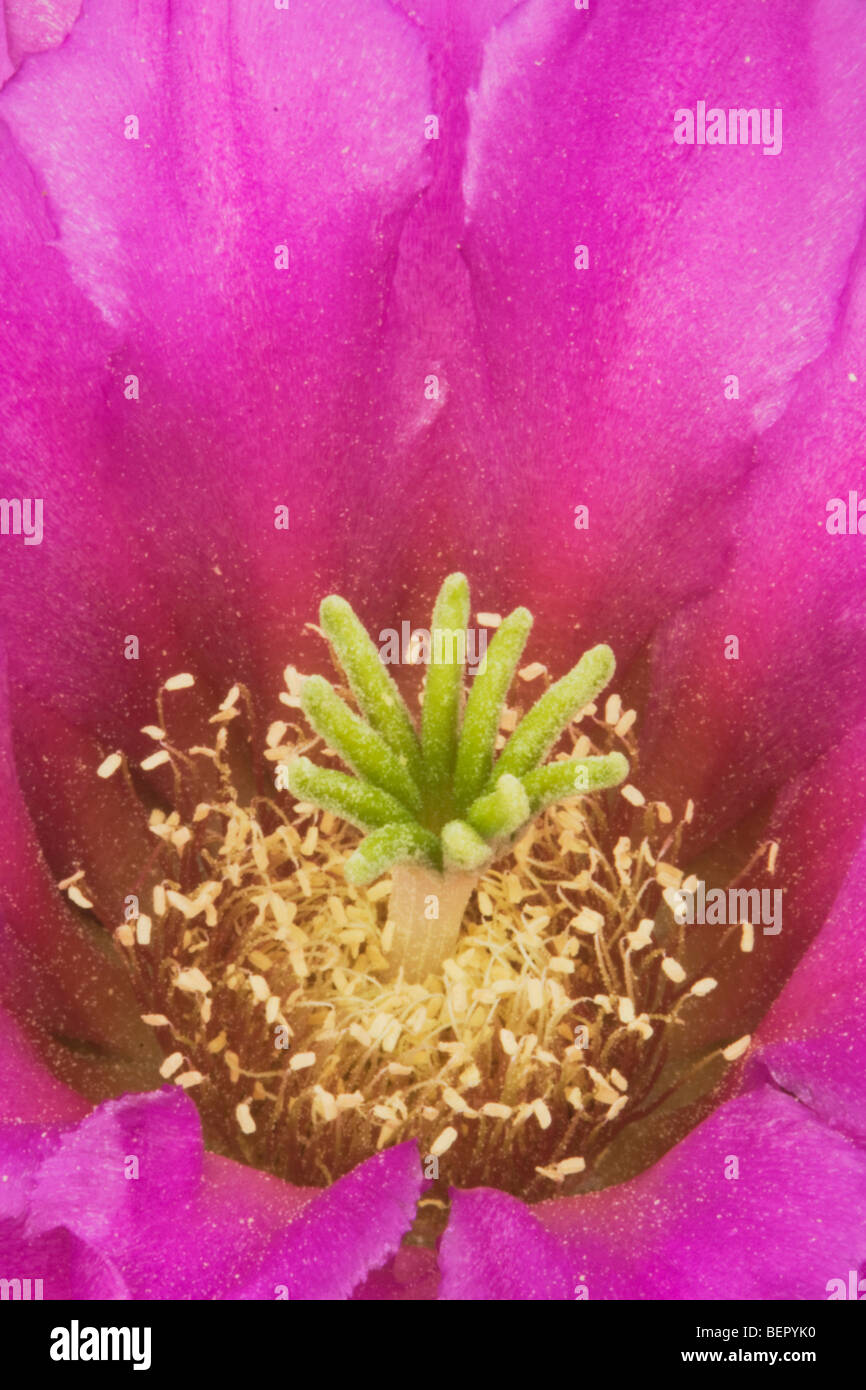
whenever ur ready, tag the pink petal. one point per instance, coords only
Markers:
(813, 1041)
(347, 1230)
(67, 1267)
(131, 1181)
(495, 1250)
(793, 1218)
(34, 25)
(28, 1091)
(608, 384)
(410, 1275)
(264, 387)
(794, 597)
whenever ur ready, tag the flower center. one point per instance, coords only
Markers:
(267, 980)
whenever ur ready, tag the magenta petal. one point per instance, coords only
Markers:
(126, 1162)
(67, 1266)
(131, 1183)
(263, 389)
(128, 1182)
(34, 25)
(813, 1041)
(613, 376)
(351, 1228)
(794, 1218)
(23, 1147)
(794, 596)
(410, 1275)
(28, 1091)
(495, 1248)
(226, 1228)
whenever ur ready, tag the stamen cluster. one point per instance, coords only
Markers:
(264, 973)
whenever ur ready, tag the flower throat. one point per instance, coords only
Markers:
(493, 970)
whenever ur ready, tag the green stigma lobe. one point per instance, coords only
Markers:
(574, 777)
(360, 746)
(503, 811)
(441, 712)
(462, 848)
(484, 707)
(393, 844)
(537, 732)
(375, 691)
(357, 802)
